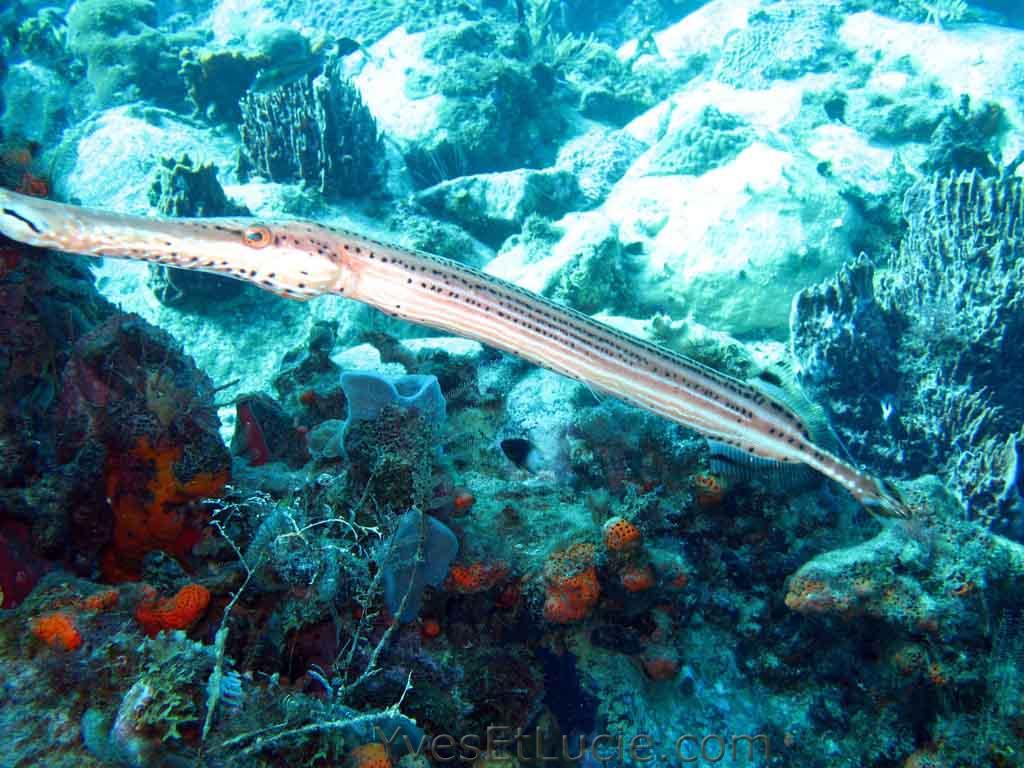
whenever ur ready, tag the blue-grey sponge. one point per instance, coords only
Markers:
(369, 393)
(402, 572)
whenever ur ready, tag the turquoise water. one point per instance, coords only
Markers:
(767, 513)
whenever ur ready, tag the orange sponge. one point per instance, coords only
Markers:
(709, 490)
(179, 612)
(373, 755)
(150, 514)
(57, 630)
(101, 601)
(637, 578)
(474, 577)
(620, 535)
(572, 599)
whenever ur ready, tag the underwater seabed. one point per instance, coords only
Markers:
(240, 530)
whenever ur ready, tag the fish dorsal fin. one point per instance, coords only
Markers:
(778, 381)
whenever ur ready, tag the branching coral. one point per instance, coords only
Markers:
(607, 87)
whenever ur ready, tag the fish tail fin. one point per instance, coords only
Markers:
(883, 498)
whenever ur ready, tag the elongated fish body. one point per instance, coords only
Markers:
(301, 260)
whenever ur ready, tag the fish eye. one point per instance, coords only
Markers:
(257, 237)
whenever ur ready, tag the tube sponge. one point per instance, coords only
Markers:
(403, 572)
(316, 130)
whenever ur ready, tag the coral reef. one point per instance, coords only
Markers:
(499, 107)
(929, 345)
(494, 206)
(316, 131)
(128, 396)
(606, 88)
(126, 56)
(940, 593)
(919, 577)
(713, 140)
(597, 160)
(786, 40)
(414, 536)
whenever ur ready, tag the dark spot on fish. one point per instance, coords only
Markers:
(23, 220)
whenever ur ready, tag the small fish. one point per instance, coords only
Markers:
(745, 423)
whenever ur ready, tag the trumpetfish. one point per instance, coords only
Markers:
(301, 260)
